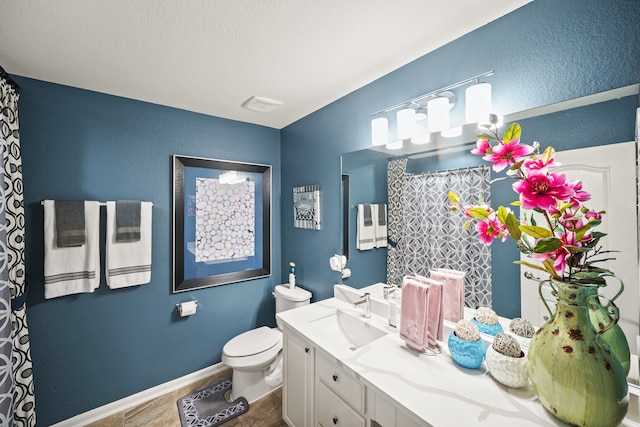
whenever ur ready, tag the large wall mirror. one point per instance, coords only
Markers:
(596, 120)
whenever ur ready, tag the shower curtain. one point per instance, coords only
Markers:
(395, 173)
(431, 236)
(17, 400)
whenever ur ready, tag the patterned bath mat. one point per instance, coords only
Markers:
(209, 408)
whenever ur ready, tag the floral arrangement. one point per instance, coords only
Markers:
(556, 230)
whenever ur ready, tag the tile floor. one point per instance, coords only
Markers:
(163, 411)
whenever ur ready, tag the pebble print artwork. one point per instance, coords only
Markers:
(225, 220)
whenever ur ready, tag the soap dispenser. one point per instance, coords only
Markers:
(390, 296)
(292, 275)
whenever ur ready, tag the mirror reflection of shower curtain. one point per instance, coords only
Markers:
(431, 236)
(395, 175)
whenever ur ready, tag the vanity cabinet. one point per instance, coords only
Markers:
(298, 380)
(385, 414)
(341, 397)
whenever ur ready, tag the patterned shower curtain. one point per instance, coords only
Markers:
(17, 400)
(395, 173)
(431, 236)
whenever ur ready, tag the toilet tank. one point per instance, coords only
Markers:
(286, 298)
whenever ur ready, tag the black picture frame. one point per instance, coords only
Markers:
(216, 239)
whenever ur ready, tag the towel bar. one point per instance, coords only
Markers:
(100, 203)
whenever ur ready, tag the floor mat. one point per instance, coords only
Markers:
(209, 408)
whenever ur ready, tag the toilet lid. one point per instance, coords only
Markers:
(252, 342)
(296, 294)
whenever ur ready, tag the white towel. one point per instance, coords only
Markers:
(128, 263)
(71, 270)
(380, 225)
(365, 229)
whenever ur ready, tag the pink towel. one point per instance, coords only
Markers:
(413, 314)
(421, 312)
(452, 292)
(435, 313)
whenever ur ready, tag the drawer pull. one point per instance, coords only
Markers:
(335, 420)
(335, 377)
(306, 349)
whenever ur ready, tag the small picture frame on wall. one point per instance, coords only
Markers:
(306, 207)
(221, 222)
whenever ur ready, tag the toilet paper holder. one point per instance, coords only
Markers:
(187, 308)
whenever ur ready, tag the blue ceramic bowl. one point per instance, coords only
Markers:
(492, 330)
(466, 353)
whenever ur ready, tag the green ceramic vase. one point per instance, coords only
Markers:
(613, 336)
(574, 373)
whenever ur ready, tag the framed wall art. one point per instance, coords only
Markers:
(306, 207)
(221, 222)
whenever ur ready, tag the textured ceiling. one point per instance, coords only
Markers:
(209, 56)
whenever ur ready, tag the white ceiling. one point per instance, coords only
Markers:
(209, 56)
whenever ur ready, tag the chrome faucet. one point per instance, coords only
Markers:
(367, 305)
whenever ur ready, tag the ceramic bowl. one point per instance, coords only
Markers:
(466, 353)
(492, 330)
(510, 371)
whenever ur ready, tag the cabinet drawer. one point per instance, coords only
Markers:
(332, 411)
(341, 383)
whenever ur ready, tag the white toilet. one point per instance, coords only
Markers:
(256, 355)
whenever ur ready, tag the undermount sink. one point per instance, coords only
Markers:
(347, 329)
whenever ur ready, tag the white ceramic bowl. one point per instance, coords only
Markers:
(510, 371)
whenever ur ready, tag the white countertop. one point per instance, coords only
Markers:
(432, 388)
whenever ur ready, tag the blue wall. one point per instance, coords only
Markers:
(92, 349)
(545, 52)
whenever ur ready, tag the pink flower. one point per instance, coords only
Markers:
(483, 147)
(507, 153)
(491, 228)
(580, 196)
(539, 164)
(593, 215)
(543, 191)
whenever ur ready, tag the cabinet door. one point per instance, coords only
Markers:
(297, 387)
(333, 411)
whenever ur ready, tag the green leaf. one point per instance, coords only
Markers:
(486, 136)
(548, 245)
(528, 264)
(453, 197)
(478, 213)
(513, 226)
(536, 232)
(502, 214)
(548, 265)
(513, 132)
(548, 154)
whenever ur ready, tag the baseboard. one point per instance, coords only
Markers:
(140, 398)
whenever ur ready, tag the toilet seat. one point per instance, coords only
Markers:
(255, 348)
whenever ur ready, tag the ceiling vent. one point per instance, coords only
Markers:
(261, 105)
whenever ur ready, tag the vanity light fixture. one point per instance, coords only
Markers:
(421, 135)
(380, 131)
(478, 103)
(438, 114)
(406, 122)
(437, 103)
